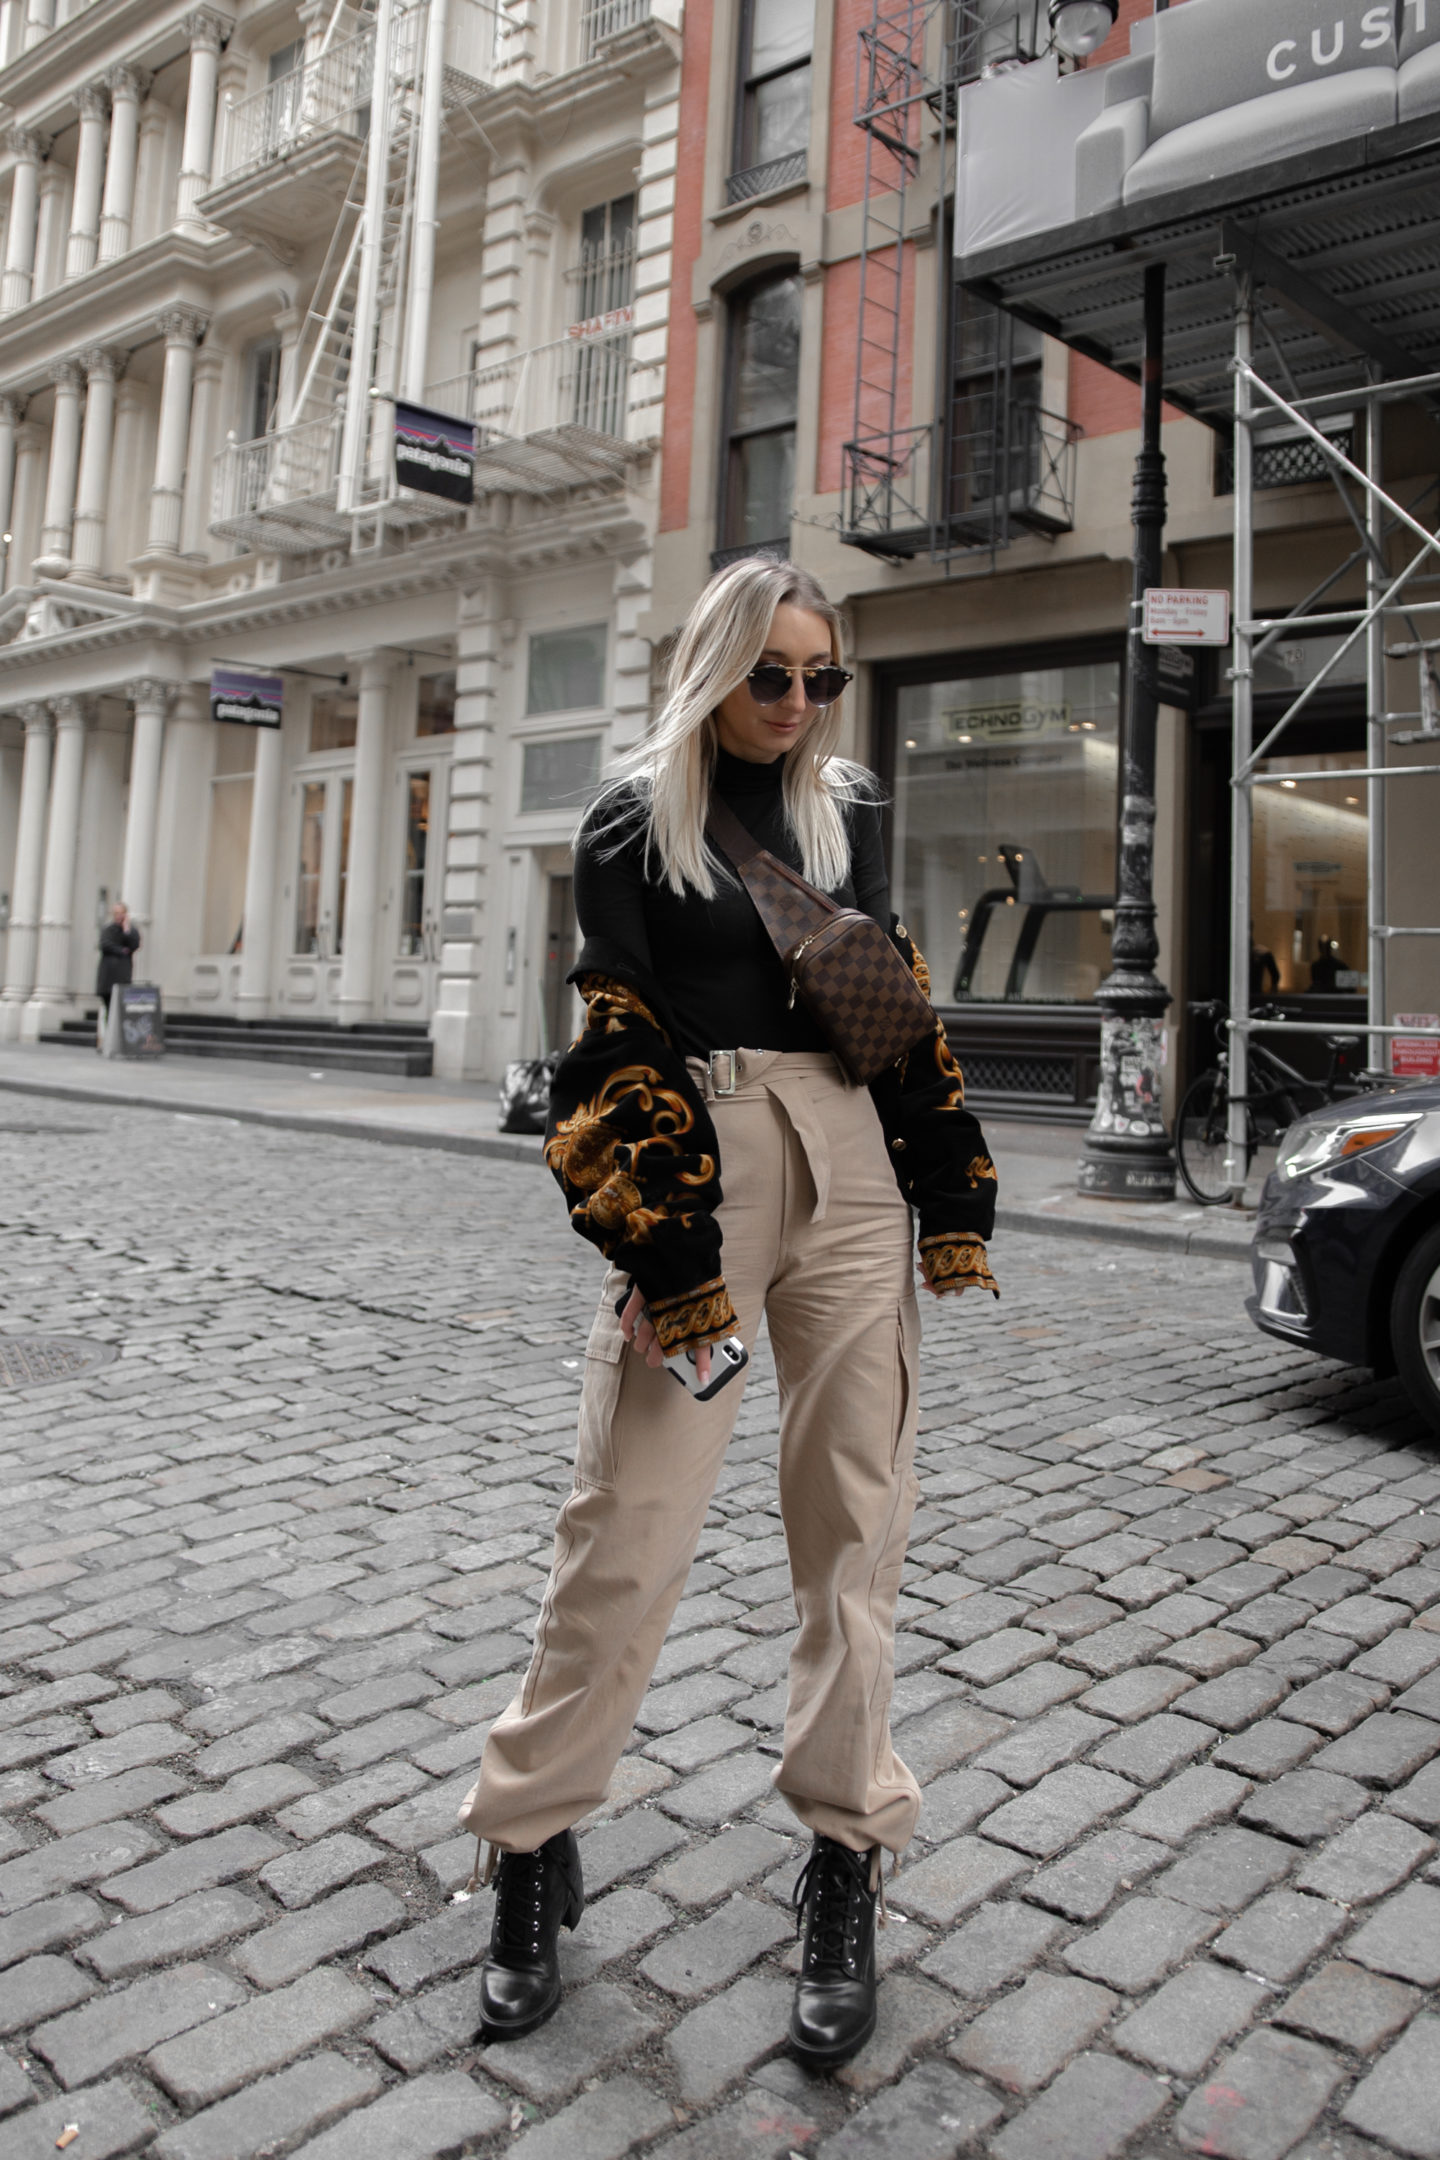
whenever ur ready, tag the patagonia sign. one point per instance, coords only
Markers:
(434, 453)
(252, 700)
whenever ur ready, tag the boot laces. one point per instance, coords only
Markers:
(835, 1884)
(519, 1901)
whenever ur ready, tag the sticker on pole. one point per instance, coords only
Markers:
(1186, 615)
(1415, 1057)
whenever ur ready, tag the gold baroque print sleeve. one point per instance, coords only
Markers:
(938, 1152)
(634, 1150)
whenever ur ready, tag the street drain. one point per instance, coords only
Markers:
(40, 1360)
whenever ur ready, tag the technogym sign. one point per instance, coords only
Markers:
(1211, 91)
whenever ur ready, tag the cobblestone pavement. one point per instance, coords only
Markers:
(1170, 1672)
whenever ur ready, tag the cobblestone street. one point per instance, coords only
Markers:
(1169, 1669)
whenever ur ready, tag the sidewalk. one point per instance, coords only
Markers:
(1036, 1162)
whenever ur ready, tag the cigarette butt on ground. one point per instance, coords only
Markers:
(67, 2136)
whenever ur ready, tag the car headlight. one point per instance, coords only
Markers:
(1309, 1148)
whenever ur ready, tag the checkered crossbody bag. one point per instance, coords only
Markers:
(840, 963)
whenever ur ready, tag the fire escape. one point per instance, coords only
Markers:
(988, 459)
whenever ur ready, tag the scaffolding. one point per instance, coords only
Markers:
(1387, 596)
(1302, 307)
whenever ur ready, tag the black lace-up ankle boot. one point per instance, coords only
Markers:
(536, 1894)
(834, 2013)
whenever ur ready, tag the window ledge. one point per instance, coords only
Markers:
(731, 213)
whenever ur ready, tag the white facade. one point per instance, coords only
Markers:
(217, 271)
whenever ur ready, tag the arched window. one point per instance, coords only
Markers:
(762, 390)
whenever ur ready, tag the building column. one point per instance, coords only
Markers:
(459, 1029)
(29, 868)
(50, 222)
(9, 422)
(11, 18)
(18, 280)
(151, 700)
(51, 996)
(207, 33)
(367, 816)
(127, 85)
(182, 327)
(93, 489)
(32, 449)
(54, 557)
(84, 239)
(177, 894)
(252, 1000)
(39, 21)
(204, 434)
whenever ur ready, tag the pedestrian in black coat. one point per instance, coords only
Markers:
(119, 942)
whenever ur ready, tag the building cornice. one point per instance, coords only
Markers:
(116, 304)
(642, 54)
(546, 536)
(49, 78)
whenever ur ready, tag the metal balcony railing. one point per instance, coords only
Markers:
(601, 19)
(1016, 471)
(785, 171)
(330, 95)
(553, 416)
(278, 492)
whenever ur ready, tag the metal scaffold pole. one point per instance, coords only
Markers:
(1376, 910)
(1242, 681)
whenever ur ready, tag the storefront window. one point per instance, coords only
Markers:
(231, 792)
(559, 775)
(1003, 858)
(1308, 869)
(307, 880)
(412, 887)
(1308, 860)
(435, 706)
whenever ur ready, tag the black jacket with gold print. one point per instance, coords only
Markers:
(634, 1149)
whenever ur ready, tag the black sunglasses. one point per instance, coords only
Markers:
(771, 681)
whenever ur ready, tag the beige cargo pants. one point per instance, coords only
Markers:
(818, 1238)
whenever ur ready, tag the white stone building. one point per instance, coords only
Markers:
(219, 268)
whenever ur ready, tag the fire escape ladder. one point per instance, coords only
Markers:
(892, 466)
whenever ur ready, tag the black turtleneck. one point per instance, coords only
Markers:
(713, 959)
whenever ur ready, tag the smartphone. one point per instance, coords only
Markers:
(726, 1359)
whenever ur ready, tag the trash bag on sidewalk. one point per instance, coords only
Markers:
(525, 1093)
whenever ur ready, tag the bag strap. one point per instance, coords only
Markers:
(790, 908)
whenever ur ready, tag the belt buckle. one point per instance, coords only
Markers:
(724, 1073)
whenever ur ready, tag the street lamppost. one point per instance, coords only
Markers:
(1127, 1153)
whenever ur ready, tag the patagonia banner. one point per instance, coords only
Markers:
(254, 700)
(434, 453)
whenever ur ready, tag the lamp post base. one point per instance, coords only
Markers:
(1127, 1153)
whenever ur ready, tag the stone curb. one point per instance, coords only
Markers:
(519, 1147)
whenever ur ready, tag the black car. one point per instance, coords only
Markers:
(1346, 1251)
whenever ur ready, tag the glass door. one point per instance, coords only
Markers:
(319, 891)
(415, 896)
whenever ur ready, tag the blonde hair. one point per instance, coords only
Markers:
(671, 772)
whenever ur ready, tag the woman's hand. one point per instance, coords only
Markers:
(639, 1332)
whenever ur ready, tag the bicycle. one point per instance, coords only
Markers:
(1275, 1097)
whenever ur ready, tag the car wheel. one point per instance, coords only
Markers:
(1415, 1326)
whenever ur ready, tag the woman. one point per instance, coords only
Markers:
(693, 1067)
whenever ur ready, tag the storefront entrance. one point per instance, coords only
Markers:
(1308, 943)
(413, 911)
(1005, 777)
(320, 851)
